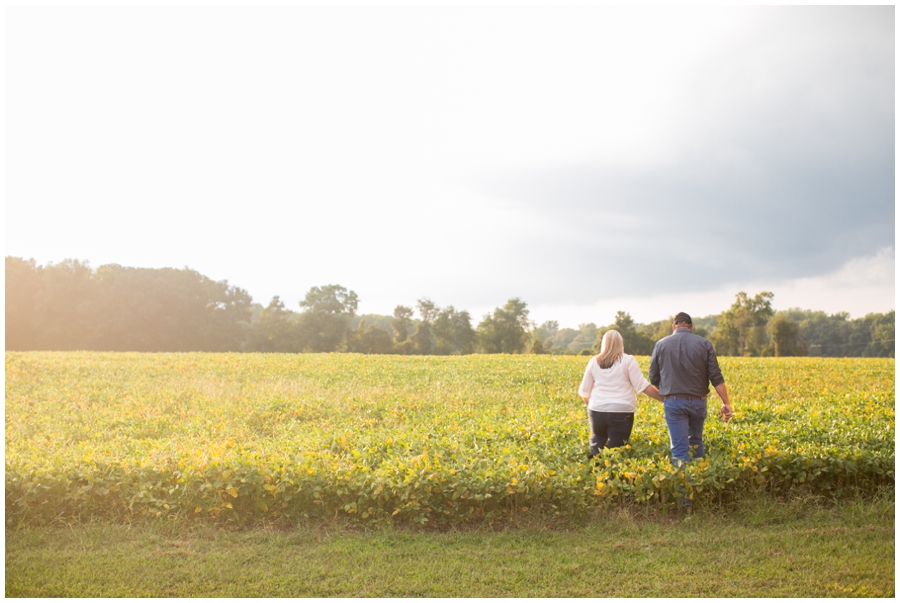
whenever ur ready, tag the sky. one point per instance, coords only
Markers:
(585, 159)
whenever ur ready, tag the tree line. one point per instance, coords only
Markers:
(70, 306)
(750, 327)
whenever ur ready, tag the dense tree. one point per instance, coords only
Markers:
(741, 328)
(23, 282)
(164, 309)
(542, 337)
(401, 324)
(839, 335)
(506, 330)
(422, 339)
(882, 335)
(380, 321)
(428, 310)
(127, 309)
(826, 335)
(64, 307)
(547, 329)
(785, 335)
(560, 340)
(636, 342)
(369, 339)
(323, 326)
(330, 299)
(276, 329)
(226, 315)
(161, 309)
(69, 306)
(255, 310)
(584, 339)
(453, 332)
(658, 329)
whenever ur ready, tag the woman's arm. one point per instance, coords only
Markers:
(587, 383)
(651, 391)
(638, 382)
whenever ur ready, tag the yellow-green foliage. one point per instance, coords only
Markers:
(247, 437)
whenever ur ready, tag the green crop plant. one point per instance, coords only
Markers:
(430, 440)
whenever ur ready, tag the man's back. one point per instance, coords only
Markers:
(684, 364)
(682, 367)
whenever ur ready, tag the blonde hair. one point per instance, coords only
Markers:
(612, 346)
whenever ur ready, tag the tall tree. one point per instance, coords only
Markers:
(453, 332)
(839, 335)
(636, 342)
(369, 339)
(323, 326)
(584, 340)
(882, 340)
(827, 335)
(23, 282)
(276, 329)
(740, 324)
(545, 331)
(785, 335)
(422, 338)
(64, 306)
(542, 337)
(506, 330)
(132, 309)
(330, 299)
(560, 340)
(401, 324)
(227, 316)
(164, 309)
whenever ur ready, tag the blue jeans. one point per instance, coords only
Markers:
(609, 429)
(684, 418)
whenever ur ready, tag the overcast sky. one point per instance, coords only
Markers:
(583, 159)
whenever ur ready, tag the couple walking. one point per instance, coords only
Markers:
(681, 368)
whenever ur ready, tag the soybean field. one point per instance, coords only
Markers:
(245, 439)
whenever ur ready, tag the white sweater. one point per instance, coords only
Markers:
(613, 389)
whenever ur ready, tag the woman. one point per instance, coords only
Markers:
(608, 389)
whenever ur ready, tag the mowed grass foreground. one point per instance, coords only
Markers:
(254, 439)
(760, 547)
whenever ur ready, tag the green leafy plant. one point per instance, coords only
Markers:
(425, 440)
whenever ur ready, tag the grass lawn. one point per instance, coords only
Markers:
(760, 548)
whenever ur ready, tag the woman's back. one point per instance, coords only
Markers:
(613, 389)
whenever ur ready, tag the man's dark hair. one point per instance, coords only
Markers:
(683, 318)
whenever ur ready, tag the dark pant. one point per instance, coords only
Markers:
(609, 429)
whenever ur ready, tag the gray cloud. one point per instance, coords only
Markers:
(784, 169)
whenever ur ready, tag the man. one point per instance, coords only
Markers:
(682, 366)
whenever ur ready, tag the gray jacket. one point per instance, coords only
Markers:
(684, 364)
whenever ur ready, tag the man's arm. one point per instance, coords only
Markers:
(713, 372)
(725, 412)
(718, 382)
(654, 366)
